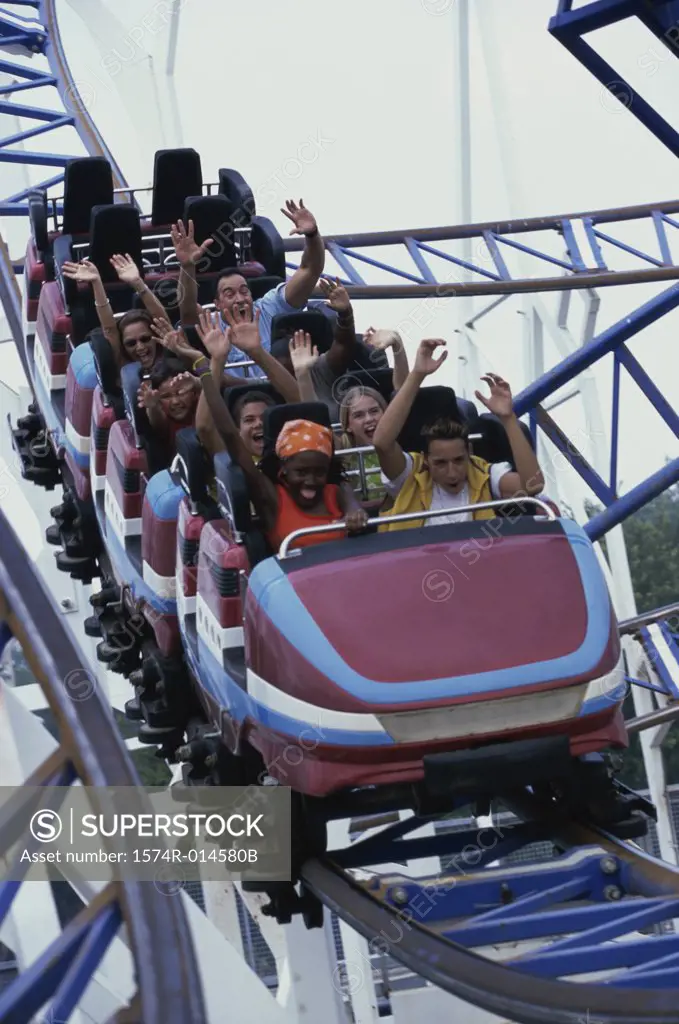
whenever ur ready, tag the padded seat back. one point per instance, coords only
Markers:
(37, 215)
(266, 246)
(233, 394)
(211, 216)
(114, 229)
(191, 469)
(233, 498)
(177, 174)
(314, 323)
(278, 415)
(379, 380)
(106, 369)
(493, 445)
(431, 403)
(88, 182)
(236, 189)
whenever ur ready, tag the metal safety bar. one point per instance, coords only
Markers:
(406, 517)
(648, 618)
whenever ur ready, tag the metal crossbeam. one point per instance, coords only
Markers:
(433, 268)
(569, 26)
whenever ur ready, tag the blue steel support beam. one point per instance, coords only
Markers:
(569, 26)
(631, 502)
(608, 341)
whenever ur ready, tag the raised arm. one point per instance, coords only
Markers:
(262, 490)
(528, 478)
(302, 283)
(343, 347)
(389, 452)
(244, 334)
(303, 356)
(188, 253)
(381, 340)
(86, 271)
(128, 272)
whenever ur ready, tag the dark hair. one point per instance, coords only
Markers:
(249, 398)
(228, 273)
(444, 429)
(164, 369)
(135, 316)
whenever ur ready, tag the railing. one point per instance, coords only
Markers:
(405, 517)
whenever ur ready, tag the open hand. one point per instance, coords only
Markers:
(382, 339)
(336, 295)
(126, 269)
(172, 339)
(425, 362)
(186, 248)
(303, 219)
(302, 353)
(243, 333)
(500, 402)
(214, 336)
(147, 398)
(84, 271)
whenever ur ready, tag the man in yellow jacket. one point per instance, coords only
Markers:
(447, 476)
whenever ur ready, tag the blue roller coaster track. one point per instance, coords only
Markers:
(598, 889)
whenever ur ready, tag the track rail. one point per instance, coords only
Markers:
(169, 987)
(523, 992)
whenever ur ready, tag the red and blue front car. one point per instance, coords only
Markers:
(372, 661)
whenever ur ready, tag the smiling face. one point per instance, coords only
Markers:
(178, 400)
(305, 475)
(364, 415)
(139, 344)
(448, 462)
(232, 295)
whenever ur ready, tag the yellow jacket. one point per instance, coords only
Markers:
(416, 493)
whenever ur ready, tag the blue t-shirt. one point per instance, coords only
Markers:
(270, 305)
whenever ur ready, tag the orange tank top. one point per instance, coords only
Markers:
(291, 517)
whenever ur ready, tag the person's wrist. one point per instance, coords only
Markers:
(508, 417)
(311, 234)
(139, 286)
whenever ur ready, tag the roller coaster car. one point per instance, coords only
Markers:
(468, 658)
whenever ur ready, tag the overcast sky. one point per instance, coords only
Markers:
(353, 108)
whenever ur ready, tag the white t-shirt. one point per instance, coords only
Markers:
(443, 499)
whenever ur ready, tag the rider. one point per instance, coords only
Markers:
(233, 293)
(300, 485)
(447, 474)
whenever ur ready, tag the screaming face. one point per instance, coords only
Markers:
(305, 475)
(233, 296)
(447, 462)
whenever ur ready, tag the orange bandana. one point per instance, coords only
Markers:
(303, 436)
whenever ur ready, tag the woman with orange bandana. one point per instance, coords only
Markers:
(299, 486)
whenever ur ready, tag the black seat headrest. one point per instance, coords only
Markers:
(106, 366)
(493, 445)
(88, 182)
(266, 246)
(233, 499)
(380, 380)
(37, 215)
(130, 379)
(314, 323)
(191, 468)
(211, 216)
(177, 174)
(259, 286)
(278, 415)
(233, 394)
(115, 228)
(233, 185)
(431, 403)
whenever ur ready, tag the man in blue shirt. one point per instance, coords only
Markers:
(233, 292)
